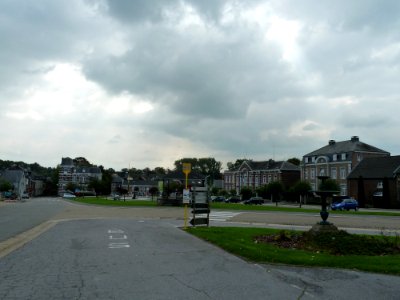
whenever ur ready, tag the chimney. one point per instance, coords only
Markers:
(355, 138)
(331, 142)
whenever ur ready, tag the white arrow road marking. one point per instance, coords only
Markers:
(117, 234)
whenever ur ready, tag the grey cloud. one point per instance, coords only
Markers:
(196, 74)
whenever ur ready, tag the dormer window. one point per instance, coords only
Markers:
(343, 156)
(334, 158)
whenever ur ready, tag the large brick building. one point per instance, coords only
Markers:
(337, 160)
(69, 172)
(254, 174)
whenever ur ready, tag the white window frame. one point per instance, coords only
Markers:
(342, 173)
(334, 173)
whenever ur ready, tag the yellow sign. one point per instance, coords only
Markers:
(186, 168)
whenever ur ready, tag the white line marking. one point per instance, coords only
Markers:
(118, 245)
(115, 231)
(124, 237)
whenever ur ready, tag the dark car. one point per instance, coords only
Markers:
(254, 200)
(346, 204)
(233, 199)
(219, 199)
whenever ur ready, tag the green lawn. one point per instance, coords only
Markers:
(240, 241)
(240, 206)
(228, 206)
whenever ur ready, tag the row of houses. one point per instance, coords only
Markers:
(362, 171)
(24, 183)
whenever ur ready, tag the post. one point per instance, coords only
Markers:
(186, 168)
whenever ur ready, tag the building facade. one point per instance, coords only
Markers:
(375, 182)
(18, 177)
(80, 176)
(254, 174)
(337, 160)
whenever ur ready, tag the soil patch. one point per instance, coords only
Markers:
(337, 243)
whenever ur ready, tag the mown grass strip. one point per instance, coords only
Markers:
(241, 242)
(226, 206)
(240, 206)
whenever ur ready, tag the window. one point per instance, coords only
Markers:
(343, 190)
(312, 173)
(322, 172)
(334, 173)
(306, 159)
(343, 156)
(334, 157)
(342, 173)
(264, 180)
(305, 174)
(359, 157)
(313, 186)
(313, 159)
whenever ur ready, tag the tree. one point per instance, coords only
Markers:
(275, 189)
(302, 188)
(246, 193)
(215, 191)
(329, 185)
(153, 191)
(262, 191)
(5, 186)
(71, 186)
(96, 185)
(223, 193)
(207, 166)
(233, 166)
(232, 192)
(294, 160)
(82, 162)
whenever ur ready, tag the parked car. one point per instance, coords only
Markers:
(25, 196)
(233, 199)
(219, 199)
(346, 204)
(254, 200)
(68, 195)
(116, 196)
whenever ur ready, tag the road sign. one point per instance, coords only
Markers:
(186, 168)
(186, 196)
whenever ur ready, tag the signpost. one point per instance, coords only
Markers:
(186, 168)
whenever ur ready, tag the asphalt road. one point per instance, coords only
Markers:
(153, 259)
(141, 253)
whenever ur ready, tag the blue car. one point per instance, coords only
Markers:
(346, 204)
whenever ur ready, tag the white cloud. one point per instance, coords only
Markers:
(148, 82)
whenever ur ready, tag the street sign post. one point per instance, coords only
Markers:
(186, 168)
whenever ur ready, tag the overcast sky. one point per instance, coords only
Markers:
(144, 83)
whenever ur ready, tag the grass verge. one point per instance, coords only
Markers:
(228, 206)
(240, 206)
(242, 242)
